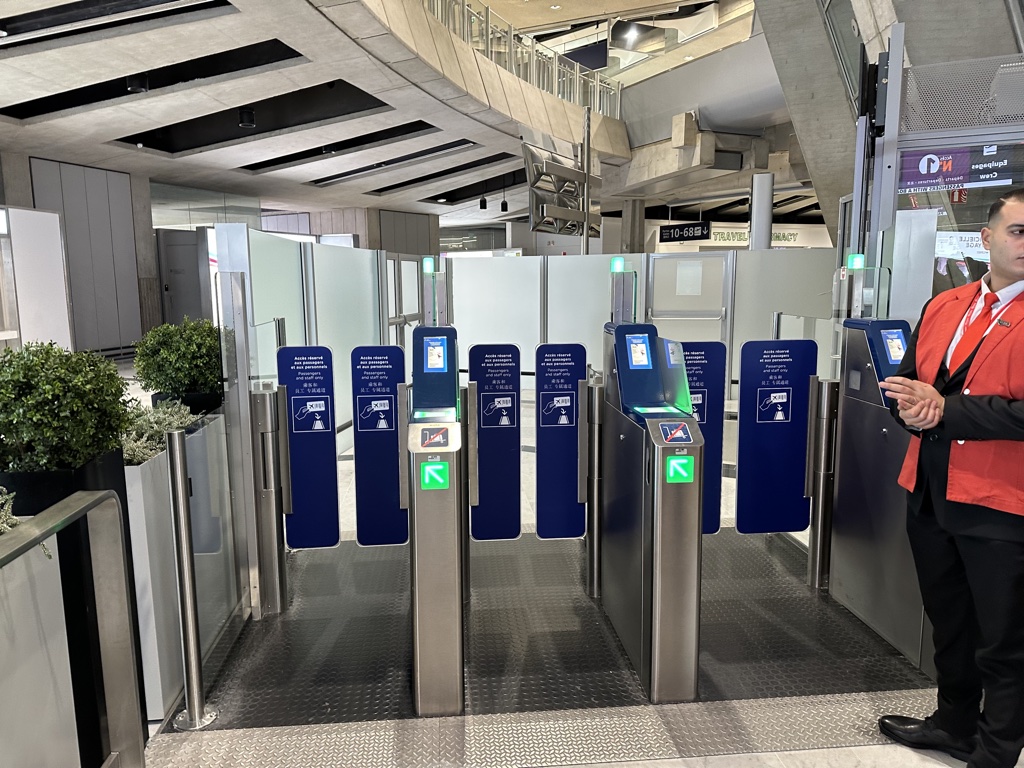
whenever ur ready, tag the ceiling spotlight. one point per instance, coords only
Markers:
(3, 31)
(442, 199)
(556, 7)
(139, 145)
(504, 206)
(483, 203)
(137, 83)
(246, 117)
(632, 34)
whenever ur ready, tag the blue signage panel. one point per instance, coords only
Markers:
(377, 373)
(705, 370)
(774, 392)
(496, 370)
(307, 373)
(435, 368)
(560, 369)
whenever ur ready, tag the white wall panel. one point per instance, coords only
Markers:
(43, 307)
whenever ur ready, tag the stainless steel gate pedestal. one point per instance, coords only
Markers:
(651, 550)
(436, 536)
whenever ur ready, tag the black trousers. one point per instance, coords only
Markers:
(973, 590)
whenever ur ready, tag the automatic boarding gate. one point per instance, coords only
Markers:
(434, 472)
(436, 467)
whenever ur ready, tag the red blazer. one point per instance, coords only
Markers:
(989, 472)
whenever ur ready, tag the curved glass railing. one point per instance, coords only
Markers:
(524, 57)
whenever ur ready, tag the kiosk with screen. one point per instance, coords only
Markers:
(651, 522)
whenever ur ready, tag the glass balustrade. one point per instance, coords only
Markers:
(537, 64)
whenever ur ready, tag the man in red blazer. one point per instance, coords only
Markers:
(960, 391)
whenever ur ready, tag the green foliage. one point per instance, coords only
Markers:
(145, 435)
(179, 359)
(8, 520)
(58, 409)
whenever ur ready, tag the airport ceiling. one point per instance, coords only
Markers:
(266, 98)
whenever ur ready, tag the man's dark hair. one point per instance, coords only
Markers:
(1013, 196)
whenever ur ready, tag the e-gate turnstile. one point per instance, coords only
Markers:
(651, 521)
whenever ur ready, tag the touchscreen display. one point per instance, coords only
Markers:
(674, 354)
(895, 345)
(639, 351)
(435, 349)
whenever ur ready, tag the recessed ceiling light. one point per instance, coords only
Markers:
(556, 7)
(688, 58)
(442, 199)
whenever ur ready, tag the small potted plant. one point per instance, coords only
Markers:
(182, 362)
(61, 418)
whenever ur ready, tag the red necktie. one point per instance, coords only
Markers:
(973, 334)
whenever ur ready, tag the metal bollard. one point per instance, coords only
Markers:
(595, 401)
(820, 477)
(196, 715)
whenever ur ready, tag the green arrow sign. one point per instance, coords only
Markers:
(679, 469)
(434, 476)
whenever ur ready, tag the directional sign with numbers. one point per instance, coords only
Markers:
(434, 476)
(679, 469)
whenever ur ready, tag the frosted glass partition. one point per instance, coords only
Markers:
(214, 556)
(347, 316)
(687, 295)
(496, 301)
(818, 329)
(579, 302)
(263, 352)
(794, 281)
(275, 284)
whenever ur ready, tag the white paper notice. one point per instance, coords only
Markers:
(689, 276)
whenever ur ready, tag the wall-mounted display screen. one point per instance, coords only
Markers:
(959, 183)
(639, 351)
(435, 350)
(895, 345)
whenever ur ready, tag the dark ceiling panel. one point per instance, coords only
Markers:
(505, 181)
(237, 60)
(423, 154)
(327, 101)
(69, 19)
(365, 141)
(481, 163)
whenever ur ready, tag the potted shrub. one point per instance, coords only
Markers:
(182, 362)
(61, 418)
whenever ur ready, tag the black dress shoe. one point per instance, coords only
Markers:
(924, 734)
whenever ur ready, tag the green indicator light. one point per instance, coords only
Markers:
(643, 409)
(855, 261)
(618, 264)
(428, 264)
(434, 476)
(679, 469)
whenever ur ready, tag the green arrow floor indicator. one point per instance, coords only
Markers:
(434, 476)
(679, 469)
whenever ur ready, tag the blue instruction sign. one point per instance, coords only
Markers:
(705, 371)
(560, 369)
(496, 369)
(675, 432)
(377, 373)
(307, 373)
(774, 394)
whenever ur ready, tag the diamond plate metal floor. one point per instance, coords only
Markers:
(535, 642)
(573, 737)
